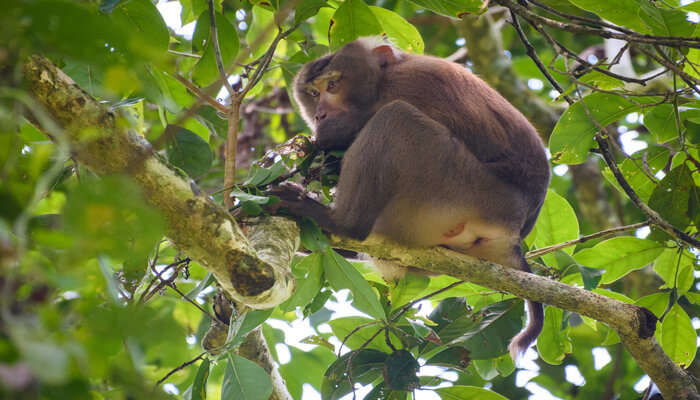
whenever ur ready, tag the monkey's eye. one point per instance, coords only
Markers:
(332, 84)
(313, 92)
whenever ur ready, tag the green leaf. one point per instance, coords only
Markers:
(572, 137)
(623, 12)
(656, 158)
(557, 223)
(307, 9)
(407, 289)
(308, 368)
(188, 151)
(452, 357)
(312, 238)
(453, 8)
(553, 343)
(486, 332)
(486, 368)
(308, 273)
(110, 216)
(590, 276)
(401, 371)
(143, 19)
(678, 337)
(261, 32)
(619, 256)
(250, 320)
(665, 22)
(363, 366)
(247, 197)
(346, 328)
(403, 34)
(198, 390)
(352, 20)
(661, 122)
(342, 275)
(205, 71)
(459, 392)
(656, 303)
(245, 380)
(671, 197)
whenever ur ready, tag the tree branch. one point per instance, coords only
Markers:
(635, 325)
(195, 224)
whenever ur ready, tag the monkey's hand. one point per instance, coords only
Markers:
(295, 199)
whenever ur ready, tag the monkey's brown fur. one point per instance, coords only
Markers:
(434, 157)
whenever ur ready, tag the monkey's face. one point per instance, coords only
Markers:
(338, 93)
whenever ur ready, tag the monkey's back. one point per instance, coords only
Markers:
(496, 133)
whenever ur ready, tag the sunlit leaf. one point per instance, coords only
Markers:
(572, 137)
(678, 337)
(245, 380)
(619, 256)
(342, 275)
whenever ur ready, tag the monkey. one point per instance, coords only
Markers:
(434, 157)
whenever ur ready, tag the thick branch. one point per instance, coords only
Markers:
(635, 325)
(195, 224)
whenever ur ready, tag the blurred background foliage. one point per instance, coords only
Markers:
(96, 303)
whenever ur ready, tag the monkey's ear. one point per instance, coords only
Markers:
(385, 54)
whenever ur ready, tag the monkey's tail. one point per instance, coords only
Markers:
(524, 339)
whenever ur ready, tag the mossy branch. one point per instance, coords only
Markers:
(195, 224)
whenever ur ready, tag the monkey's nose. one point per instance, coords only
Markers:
(320, 116)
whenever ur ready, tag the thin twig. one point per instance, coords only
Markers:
(530, 50)
(608, 232)
(185, 364)
(408, 306)
(217, 49)
(534, 19)
(172, 286)
(201, 94)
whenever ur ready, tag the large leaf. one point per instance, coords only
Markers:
(198, 390)
(400, 371)
(665, 22)
(671, 197)
(363, 366)
(487, 332)
(623, 12)
(678, 337)
(206, 71)
(661, 122)
(143, 19)
(190, 152)
(676, 269)
(637, 174)
(245, 380)
(262, 31)
(557, 223)
(572, 137)
(453, 8)
(401, 32)
(352, 20)
(553, 343)
(342, 275)
(356, 331)
(619, 256)
(308, 273)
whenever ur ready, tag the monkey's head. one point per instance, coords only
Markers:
(338, 93)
